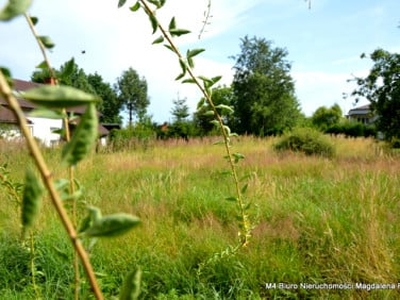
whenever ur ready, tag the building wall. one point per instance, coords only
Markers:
(43, 128)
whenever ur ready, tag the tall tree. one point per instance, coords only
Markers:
(180, 110)
(264, 94)
(220, 95)
(382, 88)
(132, 93)
(110, 105)
(72, 75)
(324, 118)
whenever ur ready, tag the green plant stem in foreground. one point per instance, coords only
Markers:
(6, 92)
(246, 228)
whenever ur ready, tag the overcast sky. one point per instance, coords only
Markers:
(324, 43)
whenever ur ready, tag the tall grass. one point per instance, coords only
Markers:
(320, 221)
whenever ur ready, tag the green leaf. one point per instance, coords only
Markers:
(244, 188)
(14, 8)
(180, 76)
(237, 157)
(131, 285)
(112, 225)
(83, 138)
(42, 112)
(232, 199)
(121, 3)
(172, 24)
(169, 47)
(94, 214)
(178, 32)
(154, 23)
(158, 40)
(227, 130)
(162, 2)
(225, 107)
(201, 103)
(135, 7)
(46, 41)
(189, 80)
(205, 79)
(31, 200)
(7, 74)
(209, 113)
(216, 79)
(51, 96)
(155, 2)
(194, 52)
(183, 67)
(69, 68)
(215, 122)
(34, 20)
(42, 65)
(190, 62)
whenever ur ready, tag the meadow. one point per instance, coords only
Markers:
(318, 221)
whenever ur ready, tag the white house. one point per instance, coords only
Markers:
(43, 129)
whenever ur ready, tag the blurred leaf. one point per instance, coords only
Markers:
(194, 52)
(47, 42)
(31, 200)
(155, 2)
(51, 96)
(83, 138)
(121, 3)
(135, 7)
(190, 62)
(68, 69)
(209, 113)
(158, 40)
(14, 8)
(112, 225)
(34, 20)
(189, 80)
(216, 79)
(7, 74)
(131, 286)
(232, 199)
(244, 188)
(169, 47)
(225, 107)
(180, 76)
(42, 65)
(172, 24)
(178, 32)
(42, 112)
(94, 214)
(237, 157)
(201, 103)
(154, 23)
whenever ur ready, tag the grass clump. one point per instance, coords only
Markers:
(306, 140)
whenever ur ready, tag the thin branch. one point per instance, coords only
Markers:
(33, 147)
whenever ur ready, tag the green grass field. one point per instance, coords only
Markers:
(319, 221)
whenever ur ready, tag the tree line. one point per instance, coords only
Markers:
(261, 95)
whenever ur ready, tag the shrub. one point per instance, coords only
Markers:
(306, 140)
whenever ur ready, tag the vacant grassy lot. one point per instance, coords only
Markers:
(332, 221)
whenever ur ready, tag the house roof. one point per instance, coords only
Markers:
(7, 115)
(361, 110)
(22, 85)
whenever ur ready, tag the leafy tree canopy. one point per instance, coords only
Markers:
(72, 75)
(264, 96)
(324, 118)
(382, 88)
(132, 94)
